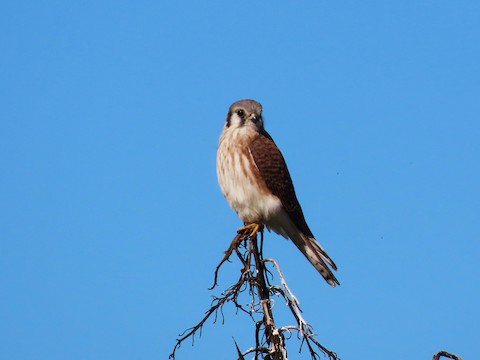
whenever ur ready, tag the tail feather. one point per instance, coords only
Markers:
(322, 252)
(317, 256)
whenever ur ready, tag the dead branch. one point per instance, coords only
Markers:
(273, 336)
(233, 246)
(447, 355)
(269, 338)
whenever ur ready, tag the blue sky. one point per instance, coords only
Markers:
(111, 218)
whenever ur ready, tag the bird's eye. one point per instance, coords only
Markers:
(240, 113)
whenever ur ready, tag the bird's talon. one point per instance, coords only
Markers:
(250, 229)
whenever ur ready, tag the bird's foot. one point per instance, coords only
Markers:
(250, 229)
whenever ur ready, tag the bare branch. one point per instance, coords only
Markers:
(254, 281)
(233, 246)
(447, 355)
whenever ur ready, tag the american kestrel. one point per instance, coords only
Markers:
(254, 179)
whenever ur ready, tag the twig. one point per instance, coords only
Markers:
(233, 246)
(447, 355)
(219, 302)
(303, 328)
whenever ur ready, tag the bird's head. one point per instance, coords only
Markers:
(245, 113)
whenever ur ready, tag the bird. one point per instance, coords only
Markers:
(254, 178)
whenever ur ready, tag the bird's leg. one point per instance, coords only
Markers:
(250, 229)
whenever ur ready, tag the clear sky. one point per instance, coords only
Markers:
(111, 219)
